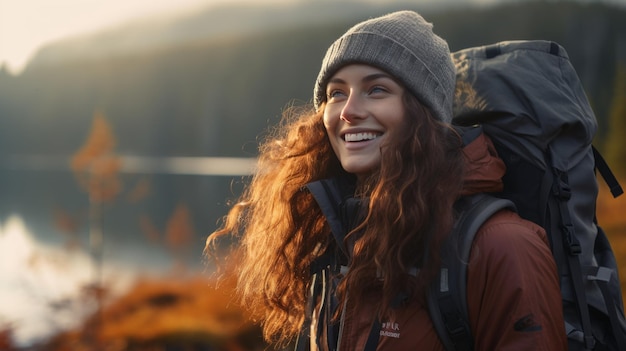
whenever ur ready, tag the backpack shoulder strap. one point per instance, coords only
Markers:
(447, 302)
(327, 194)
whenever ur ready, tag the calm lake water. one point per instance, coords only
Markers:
(45, 255)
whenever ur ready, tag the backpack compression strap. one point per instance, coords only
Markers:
(607, 174)
(602, 276)
(447, 298)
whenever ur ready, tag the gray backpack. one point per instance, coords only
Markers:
(527, 98)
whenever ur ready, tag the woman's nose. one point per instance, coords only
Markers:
(353, 109)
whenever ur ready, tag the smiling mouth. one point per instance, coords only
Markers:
(353, 137)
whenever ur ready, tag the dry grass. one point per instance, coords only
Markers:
(186, 314)
(168, 307)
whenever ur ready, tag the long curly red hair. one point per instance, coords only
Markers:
(280, 230)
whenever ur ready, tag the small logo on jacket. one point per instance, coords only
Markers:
(390, 329)
(527, 324)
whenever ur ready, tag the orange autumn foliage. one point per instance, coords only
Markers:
(179, 231)
(95, 164)
(169, 311)
(171, 306)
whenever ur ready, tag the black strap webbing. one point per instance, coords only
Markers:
(492, 51)
(562, 193)
(374, 336)
(328, 200)
(607, 174)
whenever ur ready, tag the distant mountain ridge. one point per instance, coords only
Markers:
(216, 22)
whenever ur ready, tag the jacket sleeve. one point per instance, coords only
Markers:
(514, 299)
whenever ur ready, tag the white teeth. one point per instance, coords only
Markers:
(360, 136)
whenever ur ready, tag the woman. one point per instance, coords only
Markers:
(379, 141)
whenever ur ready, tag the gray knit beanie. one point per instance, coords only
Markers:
(402, 44)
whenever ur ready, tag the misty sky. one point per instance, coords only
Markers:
(27, 24)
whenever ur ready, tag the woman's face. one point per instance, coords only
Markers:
(364, 109)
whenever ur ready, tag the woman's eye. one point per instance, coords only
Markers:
(377, 89)
(334, 94)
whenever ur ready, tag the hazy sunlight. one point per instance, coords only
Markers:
(25, 25)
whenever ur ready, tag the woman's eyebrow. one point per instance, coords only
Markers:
(367, 78)
(336, 81)
(375, 76)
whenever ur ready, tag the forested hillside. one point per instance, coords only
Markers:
(212, 96)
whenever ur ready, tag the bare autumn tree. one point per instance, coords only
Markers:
(69, 225)
(179, 232)
(96, 167)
